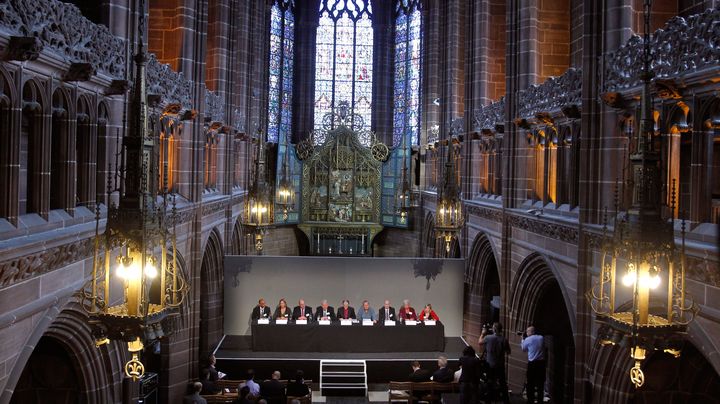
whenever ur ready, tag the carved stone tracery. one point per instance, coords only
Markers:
(682, 46)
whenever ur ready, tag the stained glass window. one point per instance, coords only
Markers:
(282, 25)
(343, 61)
(408, 62)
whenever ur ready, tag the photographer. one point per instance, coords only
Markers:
(534, 345)
(496, 347)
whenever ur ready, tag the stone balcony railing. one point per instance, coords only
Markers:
(684, 45)
(552, 95)
(62, 29)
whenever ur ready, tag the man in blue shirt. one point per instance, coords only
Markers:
(367, 313)
(534, 345)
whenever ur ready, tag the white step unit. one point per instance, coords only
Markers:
(338, 375)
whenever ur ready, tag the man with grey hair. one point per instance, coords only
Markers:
(407, 312)
(534, 345)
(325, 311)
(443, 374)
(194, 397)
(387, 312)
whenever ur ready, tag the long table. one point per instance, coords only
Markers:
(347, 338)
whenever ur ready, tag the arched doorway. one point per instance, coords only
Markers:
(211, 294)
(61, 364)
(538, 299)
(51, 375)
(482, 289)
(687, 379)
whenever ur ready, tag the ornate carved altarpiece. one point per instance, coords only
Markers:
(341, 186)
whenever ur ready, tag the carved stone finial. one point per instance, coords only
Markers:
(24, 48)
(118, 87)
(79, 72)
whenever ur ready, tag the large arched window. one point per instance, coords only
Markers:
(344, 58)
(408, 60)
(282, 25)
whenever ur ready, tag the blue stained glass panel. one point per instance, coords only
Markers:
(408, 62)
(282, 25)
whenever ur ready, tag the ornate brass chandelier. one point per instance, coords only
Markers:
(640, 295)
(449, 217)
(258, 214)
(285, 193)
(135, 281)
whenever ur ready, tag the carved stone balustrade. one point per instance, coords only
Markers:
(683, 46)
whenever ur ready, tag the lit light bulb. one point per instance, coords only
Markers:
(629, 278)
(654, 281)
(128, 272)
(150, 270)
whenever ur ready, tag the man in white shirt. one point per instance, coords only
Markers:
(534, 345)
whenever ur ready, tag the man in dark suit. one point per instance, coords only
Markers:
(387, 312)
(419, 374)
(302, 312)
(346, 312)
(272, 390)
(443, 374)
(261, 310)
(325, 312)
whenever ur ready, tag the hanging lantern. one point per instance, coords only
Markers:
(258, 213)
(640, 295)
(130, 293)
(449, 217)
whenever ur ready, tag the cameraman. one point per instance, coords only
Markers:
(496, 347)
(534, 345)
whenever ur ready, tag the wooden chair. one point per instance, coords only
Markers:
(231, 385)
(220, 398)
(400, 391)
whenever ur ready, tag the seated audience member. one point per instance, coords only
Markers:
(273, 390)
(302, 312)
(345, 312)
(443, 374)
(387, 312)
(407, 312)
(215, 375)
(194, 396)
(324, 311)
(208, 386)
(428, 313)
(244, 396)
(250, 383)
(261, 310)
(298, 388)
(367, 312)
(282, 311)
(419, 374)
